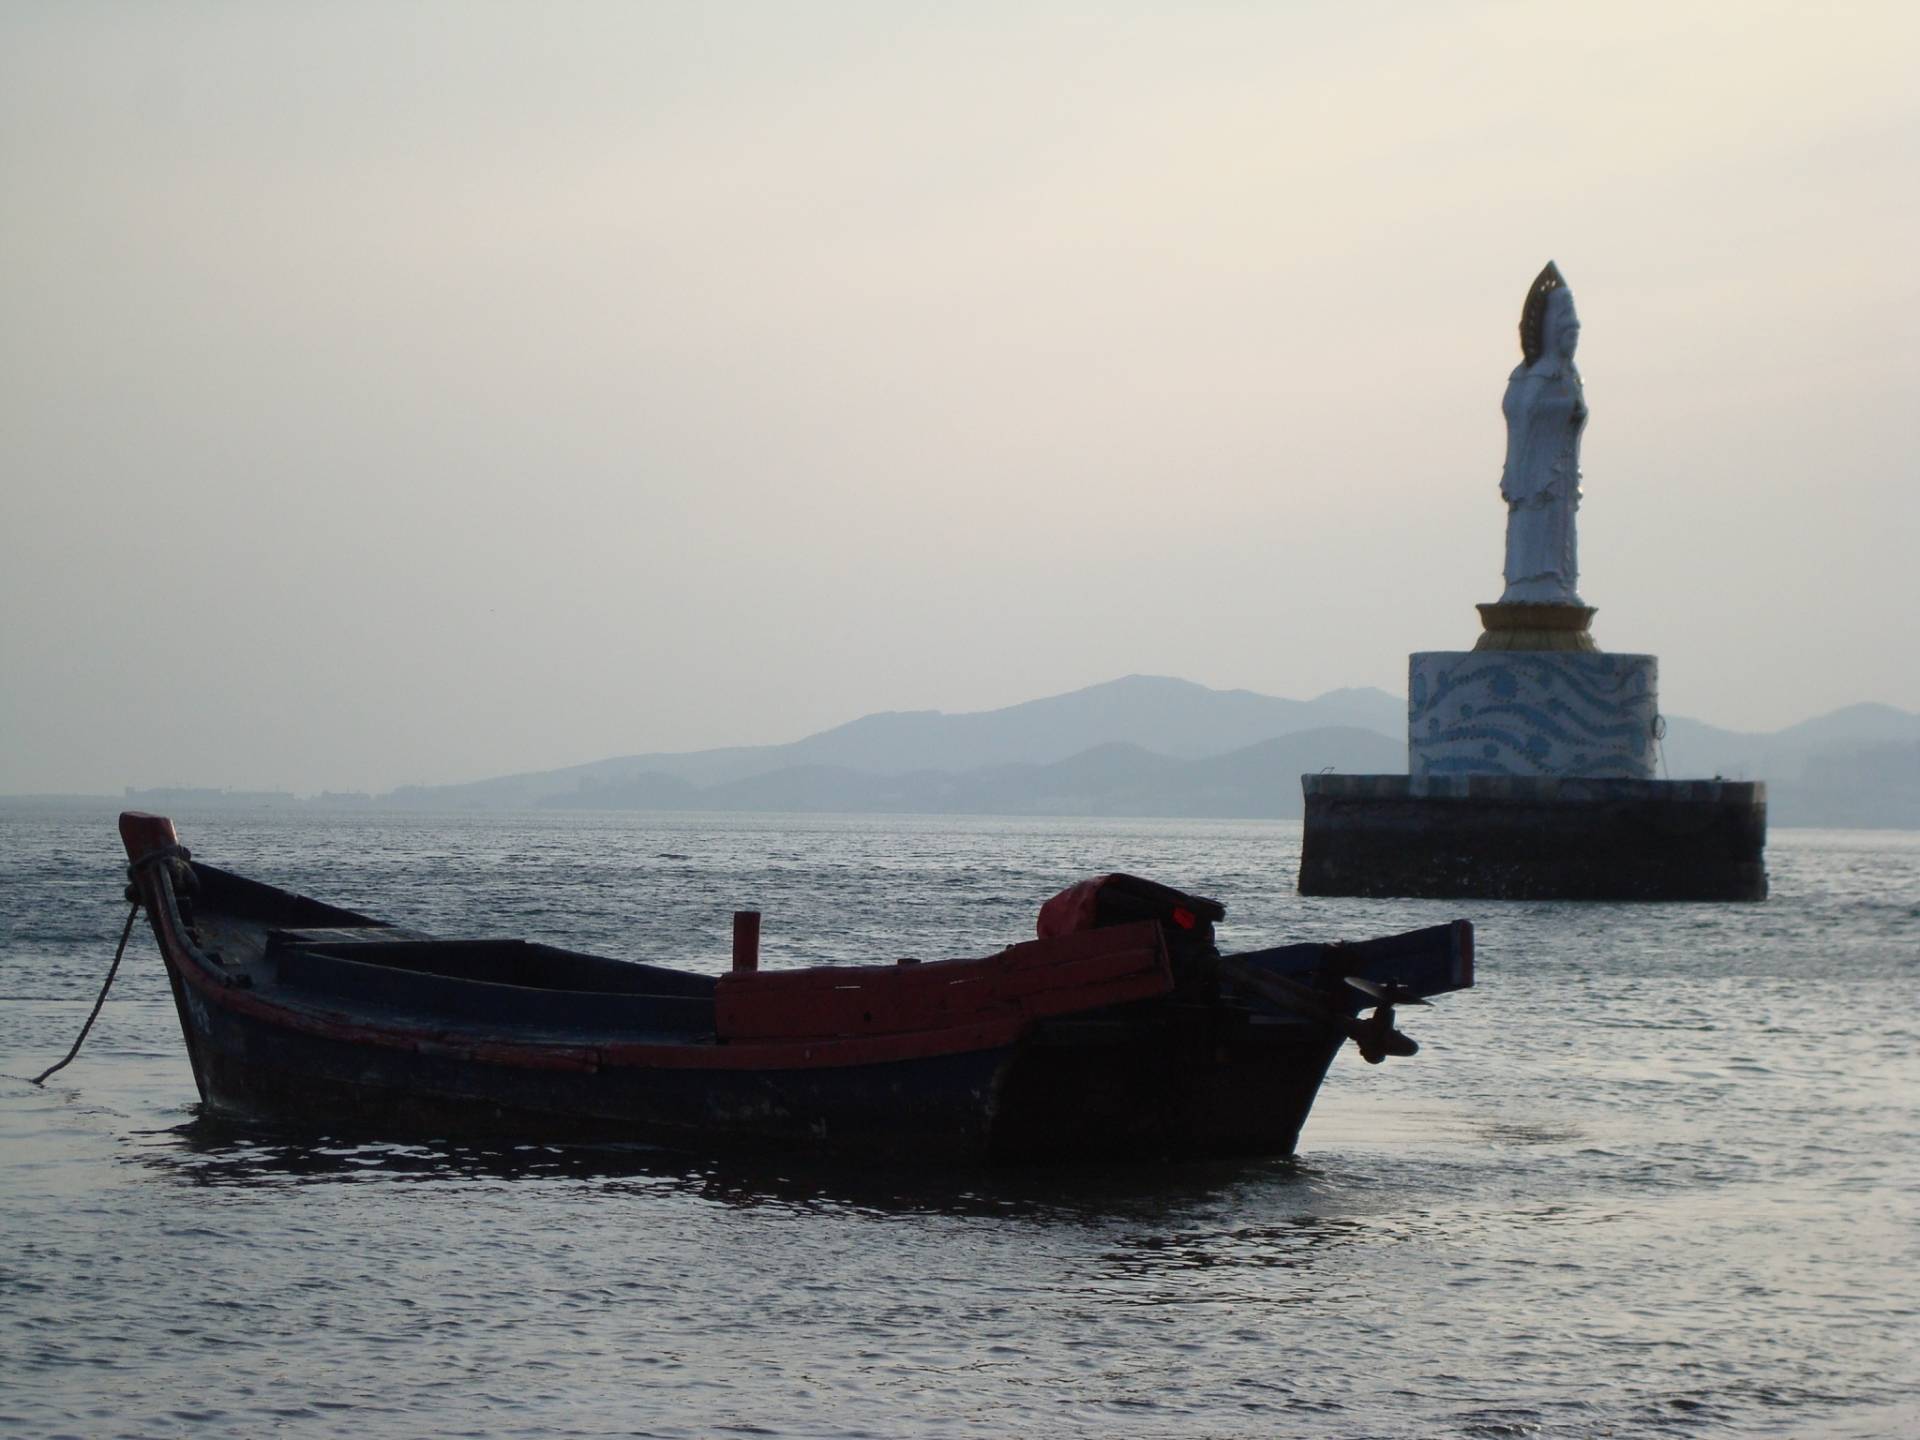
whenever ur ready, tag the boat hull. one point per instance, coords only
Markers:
(1084, 1045)
(1131, 1086)
(251, 1068)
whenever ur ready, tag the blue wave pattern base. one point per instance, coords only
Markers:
(1531, 713)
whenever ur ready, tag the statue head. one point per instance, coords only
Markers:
(1560, 328)
(1548, 326)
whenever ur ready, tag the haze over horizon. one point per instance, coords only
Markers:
(412, 395)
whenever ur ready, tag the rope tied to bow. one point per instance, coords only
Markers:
(112, 970)
(154, 857)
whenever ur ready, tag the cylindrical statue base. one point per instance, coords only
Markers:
(1516, 712)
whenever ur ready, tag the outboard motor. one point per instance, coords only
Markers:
(1185, 920)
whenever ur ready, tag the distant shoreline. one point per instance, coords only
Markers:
(110, 804)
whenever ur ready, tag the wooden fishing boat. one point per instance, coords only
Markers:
(1121, 1031)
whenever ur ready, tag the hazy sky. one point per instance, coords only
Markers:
(421, 392)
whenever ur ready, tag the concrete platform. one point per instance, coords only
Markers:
(1506, 837)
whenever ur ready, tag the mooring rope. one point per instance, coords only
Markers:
(112, 971)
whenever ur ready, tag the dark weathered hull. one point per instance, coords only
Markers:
(253, 1069)
(1031, 1099)
(1090, 1046)
(1138, 1086)
(1167, 1092)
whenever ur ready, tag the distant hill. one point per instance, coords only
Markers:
(1176, 719)
(1784, 755)
(1852, 786)
(1151, 745)
(1855, 767)
(1171, 717)
(1256, 781)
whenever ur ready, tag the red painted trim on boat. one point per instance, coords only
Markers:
(1042, 977)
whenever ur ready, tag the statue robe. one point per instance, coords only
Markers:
(1546, 411)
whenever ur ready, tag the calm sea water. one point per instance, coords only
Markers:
(1658, 1175)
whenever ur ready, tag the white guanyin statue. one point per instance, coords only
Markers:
(1546, 410)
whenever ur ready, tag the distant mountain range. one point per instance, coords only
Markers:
(1858, 766)
(1143, 745)
(927, 754)
(1151, 745)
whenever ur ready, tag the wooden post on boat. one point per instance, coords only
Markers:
(746, 940)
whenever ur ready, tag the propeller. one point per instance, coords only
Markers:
(1375, 1035)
